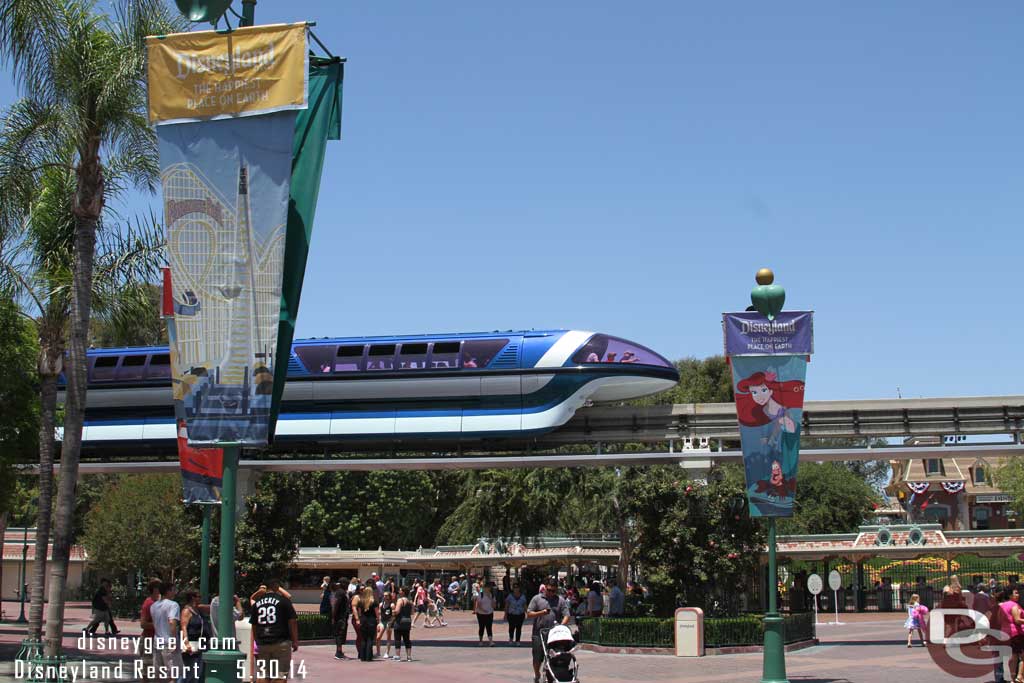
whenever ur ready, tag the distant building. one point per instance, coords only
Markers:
(957, 492)
(495, 560)
(14, 546)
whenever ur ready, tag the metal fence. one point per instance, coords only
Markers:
(881, 585)
(628, 632)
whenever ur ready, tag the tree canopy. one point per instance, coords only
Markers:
(139, 524)
(830, 499)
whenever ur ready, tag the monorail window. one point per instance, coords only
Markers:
(159, 366)
(349, 359)
(381, 357)
(478, 353)
(318, 359)
(104, 367)
(413, 357)
(133, 361)
(602, 348)
(445, 355)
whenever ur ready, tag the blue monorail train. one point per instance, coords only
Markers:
(444, 386)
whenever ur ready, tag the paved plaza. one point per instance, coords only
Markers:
(868, 648)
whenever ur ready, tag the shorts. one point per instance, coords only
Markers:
(273, 660)
(169, 659)
(538, 649)
(1017, 644)
(422, 609)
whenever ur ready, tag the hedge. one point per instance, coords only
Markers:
(742, 630)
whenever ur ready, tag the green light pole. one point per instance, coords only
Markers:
(222, 665)
(23, 577)
(248, 13)
(774, 670)
(204, 559)
(768, 299)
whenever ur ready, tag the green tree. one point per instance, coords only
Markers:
(138, 524)
(1009, 478)
(830, 499)
(35, 267)
(707, 380)
(270, 530)
(19, 416)
(82, 76)
(510, 504)
(695, 542)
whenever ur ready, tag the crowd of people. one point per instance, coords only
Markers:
(1001, 605)
(382, 614)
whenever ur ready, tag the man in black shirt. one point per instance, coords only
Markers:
(102, 602)
(340, 613)
(273, 624)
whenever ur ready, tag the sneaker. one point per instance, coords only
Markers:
(408, 659)
(396, 658)
(339, 656)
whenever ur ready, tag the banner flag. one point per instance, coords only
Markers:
(210, 75)
(751, 334)
(225, 166)
(202, 469)
(314, 126)
(769, 368)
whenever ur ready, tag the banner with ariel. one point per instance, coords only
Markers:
(769, 394)
(769, 351)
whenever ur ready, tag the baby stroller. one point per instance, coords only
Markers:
(559, 661)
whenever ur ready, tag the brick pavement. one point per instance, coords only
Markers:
(868, 648)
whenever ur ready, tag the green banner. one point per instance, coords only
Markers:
(317, 124)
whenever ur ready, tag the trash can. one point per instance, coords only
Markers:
(689, 632)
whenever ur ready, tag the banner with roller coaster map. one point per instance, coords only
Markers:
(225, 107)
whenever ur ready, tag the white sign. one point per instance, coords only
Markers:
(992, 498)
(835, 580)
(814, 584)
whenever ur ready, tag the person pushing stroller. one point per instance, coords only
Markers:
(547, 609)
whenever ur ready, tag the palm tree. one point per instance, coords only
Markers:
(82, 75)
(35, 270)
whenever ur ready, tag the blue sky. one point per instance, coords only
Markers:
(627, 167)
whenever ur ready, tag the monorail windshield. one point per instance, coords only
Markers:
(602, 348)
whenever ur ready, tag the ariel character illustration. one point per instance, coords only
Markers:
(762, 399)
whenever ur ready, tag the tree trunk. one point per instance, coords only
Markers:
(88, 205)
(50, 358)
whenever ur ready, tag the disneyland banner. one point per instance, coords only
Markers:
(752, 334)
(225, 107)
(768, 386)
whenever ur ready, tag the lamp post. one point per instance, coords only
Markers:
(23, 576)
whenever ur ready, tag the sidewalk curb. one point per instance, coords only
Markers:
(708, 652)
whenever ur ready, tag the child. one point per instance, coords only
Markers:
(915, 618)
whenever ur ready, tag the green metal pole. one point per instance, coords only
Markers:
(204, 559)
(23, 576)
(248, 13)
(774, 630)
(222, 664)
